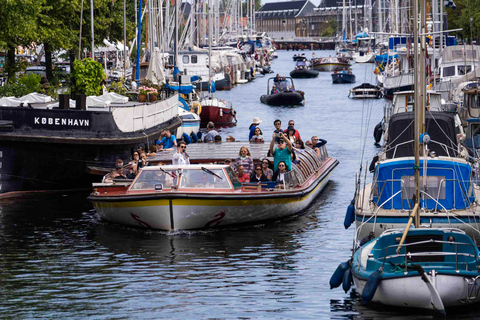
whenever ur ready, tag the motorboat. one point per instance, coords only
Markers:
(218, 111)
(365, 91)
(433, 269)
(202, 196)
(343, 77)
(300, 57)
(282, 93)
(330, 64)
(303, 71)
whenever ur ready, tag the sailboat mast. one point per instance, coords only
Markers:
(417, 107)
(209, 16)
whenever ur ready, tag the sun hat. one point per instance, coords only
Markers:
(257, 120)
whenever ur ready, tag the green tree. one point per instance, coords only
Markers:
(17, 28)
(465, 16)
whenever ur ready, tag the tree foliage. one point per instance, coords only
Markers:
(465, 16)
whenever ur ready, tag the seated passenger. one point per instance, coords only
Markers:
(266, 169)
(152, 151)
(279, 175)
(292, 89)
(258, 175)
(257, 136)
(274, 90)
(241, 175)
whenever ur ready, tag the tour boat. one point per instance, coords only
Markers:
(330, 64)
(365, 91)
(341, 77)
(200, 196)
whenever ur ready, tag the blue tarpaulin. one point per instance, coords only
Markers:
(382, 58)
(185, 89)
(194, 78)
(362, 35)
(450, 181)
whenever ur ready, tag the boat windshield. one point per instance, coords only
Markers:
(154, 180)
(283, 85)
(210, 179)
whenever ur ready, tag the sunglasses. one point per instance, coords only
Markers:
(135, 154)
(227, 161)
(281, 165)
(291, 124)
(281, 141)
(183, 147)
(258, 169)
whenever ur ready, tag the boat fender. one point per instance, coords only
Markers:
(197, 108)
(377, 132)
(371, 168)
(347, 280)
(350, 215)
(373, 281)
(234, 115)
(337, 277)
(221, 112)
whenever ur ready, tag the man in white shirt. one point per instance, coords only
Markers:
(181, 157)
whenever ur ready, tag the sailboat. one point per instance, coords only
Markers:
(431, 266)
(214, 109)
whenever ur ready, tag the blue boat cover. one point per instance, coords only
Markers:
(185, 89)
(382, 58)
(362, 35)
(449, 181)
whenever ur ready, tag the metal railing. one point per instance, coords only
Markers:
(426, 254)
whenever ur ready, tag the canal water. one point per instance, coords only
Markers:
(58, 260)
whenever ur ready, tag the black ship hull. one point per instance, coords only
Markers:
(53, 149)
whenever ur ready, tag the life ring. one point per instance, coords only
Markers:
(197, 108)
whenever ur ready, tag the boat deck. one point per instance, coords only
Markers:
(205, 152)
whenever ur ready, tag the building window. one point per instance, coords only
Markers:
(185, 59)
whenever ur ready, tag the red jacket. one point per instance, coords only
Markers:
(244, 178)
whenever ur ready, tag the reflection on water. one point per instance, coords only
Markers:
(58, 260)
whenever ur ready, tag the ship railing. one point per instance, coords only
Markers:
(432, 252)
(405, 194)
(446, 148)
(309, 163)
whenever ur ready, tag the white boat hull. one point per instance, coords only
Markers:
(412, 292)
(365, 58)
(189, 212)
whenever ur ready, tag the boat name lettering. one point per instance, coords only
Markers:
(62, 121)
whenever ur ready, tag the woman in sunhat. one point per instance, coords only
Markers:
(255, 123)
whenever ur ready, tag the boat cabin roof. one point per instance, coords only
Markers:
(439, 125)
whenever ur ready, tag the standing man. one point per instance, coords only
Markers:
(278, 128)
(296, 134)
(211, 134)
(282, 153)
(168, 141)
(181, 157)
